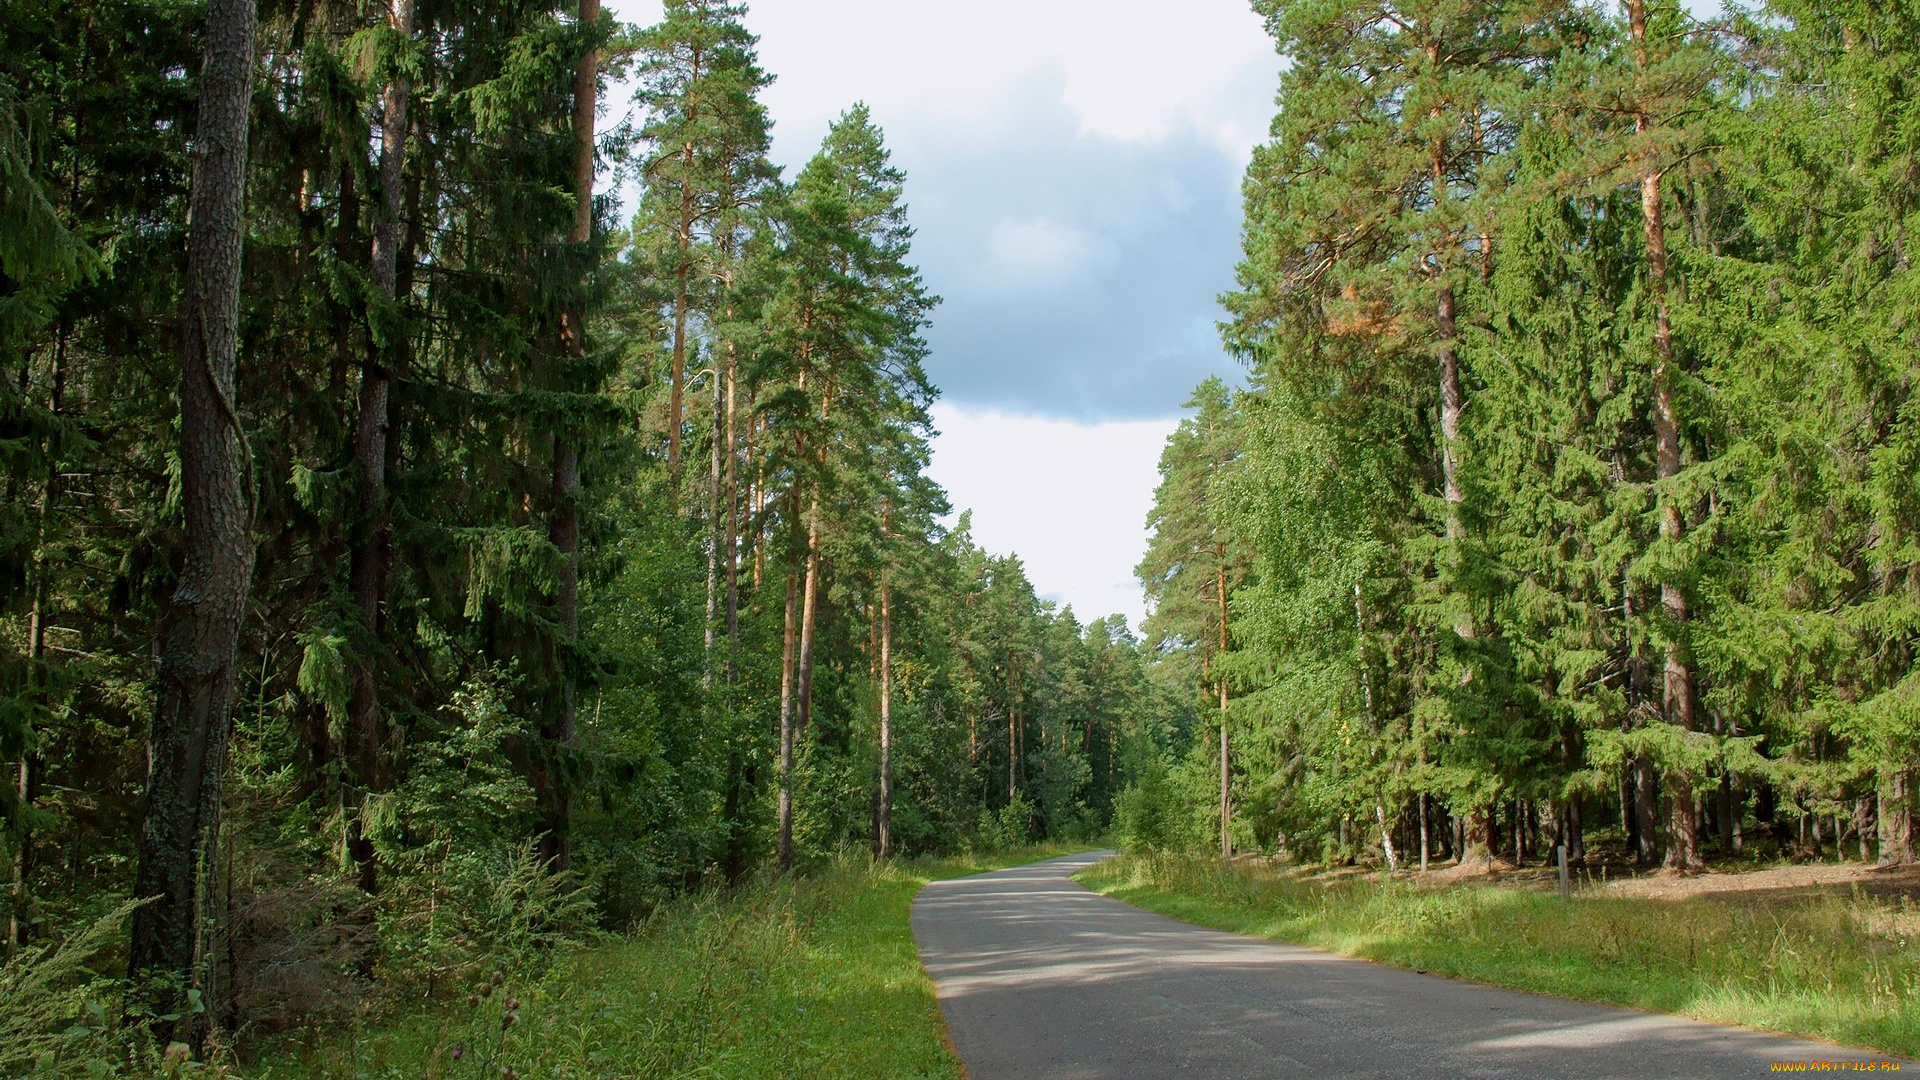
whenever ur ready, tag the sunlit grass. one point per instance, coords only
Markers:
(1840, 968)
(815, 976)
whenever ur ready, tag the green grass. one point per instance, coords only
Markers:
(1840, 968)
(813, 976)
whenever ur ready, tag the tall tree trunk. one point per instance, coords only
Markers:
(810, 601)
(367, 558)
(757, 496)
(1013, 730)
(38, 697)
(719, 519)
(564, 527)
(1677, 690)
(716, 526)
(789, 641)
(1447, 358)
(683, 238)
(1426, 836)
(809, 610)
(1453, 402)
(733, 526)
(1013, 752)
(1895, 814)
(886, 700)
(1220, 678)
(186, 747)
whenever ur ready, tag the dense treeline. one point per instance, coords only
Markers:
(1574, 488)
(487, 566)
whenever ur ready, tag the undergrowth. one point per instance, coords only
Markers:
(812, 976)
(1840, 968)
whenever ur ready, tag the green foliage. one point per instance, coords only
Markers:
(1520, 463)
(468, 886)
(1146, 816)
(778, 977)
(1011, 826)
(58, 1016)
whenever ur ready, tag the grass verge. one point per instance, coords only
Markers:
(1841, 968)
(812, 976)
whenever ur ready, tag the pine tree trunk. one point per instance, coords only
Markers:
(716, 526)
(1220, 677)
(719, 508)
(1013, 734)
(1646, 811)
(1895, 814)
(1447, 357)
(1453, 402)
(1677, 691)
(37, 696)
(367, 558)
(564, 527)
(186, 748)
(732, 536)
(789, 641)
(1426, 842)
(886, 705)
(677, 373)
(809, 610)
(683, 237)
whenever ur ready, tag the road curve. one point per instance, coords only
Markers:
(1040, 978)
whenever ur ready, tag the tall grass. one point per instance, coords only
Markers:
(814, 976)
(1841, 968)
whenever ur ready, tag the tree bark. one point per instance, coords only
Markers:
(732, 484)
(719, 516)
(186, 748)
(1678, 689)
(564, 527)
(809, 609)
(1220, 677)
(37, 695)
(788, 642)
(1895, 814)
(886, 702)
(367, 558)
(1013, 732)
(683, 238)
(1426, 840)
(1447, 357)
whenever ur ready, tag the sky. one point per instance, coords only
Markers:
(1073, 171)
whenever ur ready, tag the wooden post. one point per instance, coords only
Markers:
(1560, 855)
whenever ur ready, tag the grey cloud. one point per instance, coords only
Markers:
(1123, 333)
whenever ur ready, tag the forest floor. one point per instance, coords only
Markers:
(1744, 883)
(1829, 951)
(1805, 881)
(812, 975)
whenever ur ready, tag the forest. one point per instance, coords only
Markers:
(1572, 496)
(444, 520)
(411, 553)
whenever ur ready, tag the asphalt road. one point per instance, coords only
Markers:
(1040, 978)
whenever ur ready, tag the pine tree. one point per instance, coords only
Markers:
(187, 747)
(847, 348)
(1194, 562)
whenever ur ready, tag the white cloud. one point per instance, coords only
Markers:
(1070, 499)
(1128, 69)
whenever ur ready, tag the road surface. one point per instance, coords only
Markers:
(1040, 978)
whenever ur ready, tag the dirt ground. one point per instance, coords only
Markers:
(1787, 882)
(1776, 882)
